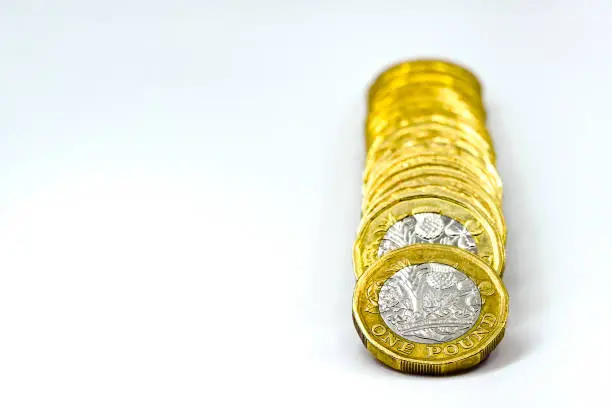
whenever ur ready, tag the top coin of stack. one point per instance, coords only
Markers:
(430, 178)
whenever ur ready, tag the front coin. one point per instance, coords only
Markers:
(430, 309)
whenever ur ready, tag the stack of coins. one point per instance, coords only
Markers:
(429, 254)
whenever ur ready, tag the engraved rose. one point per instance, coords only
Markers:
(428, 226)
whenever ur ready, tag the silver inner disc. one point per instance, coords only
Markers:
(429, 303)
(427, 228)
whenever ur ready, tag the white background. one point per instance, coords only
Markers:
(180, 188)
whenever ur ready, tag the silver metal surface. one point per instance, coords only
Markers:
(427, 228)
(429, 303)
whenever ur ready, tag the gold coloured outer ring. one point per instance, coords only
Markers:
(449, 183)
(434, 84)
(427, 97)
(482, 205)
(406, 68)
(435, 359)
(398, 166)
(392, 137)
(375, 225)
(406, 108)
(382, 124)
(404, 112)
(405, 140)
(431, 91)
(400, 123)
(430, 144)
(426, 77)
(395, 182)
(463, 191)
(436, 146)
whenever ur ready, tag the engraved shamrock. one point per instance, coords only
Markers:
(460, 236)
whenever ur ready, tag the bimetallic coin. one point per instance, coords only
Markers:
(430, 309)
(427, 228)
(375, 225)
(488, 213)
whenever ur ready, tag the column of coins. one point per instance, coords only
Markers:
(429, 253)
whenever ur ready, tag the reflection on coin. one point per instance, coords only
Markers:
(427, 228)
(429, 303)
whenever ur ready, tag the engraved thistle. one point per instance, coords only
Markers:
(429, 303)
(425, 228)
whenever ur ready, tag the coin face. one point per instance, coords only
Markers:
(429, 228)
(429, 303)
(430, 309)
